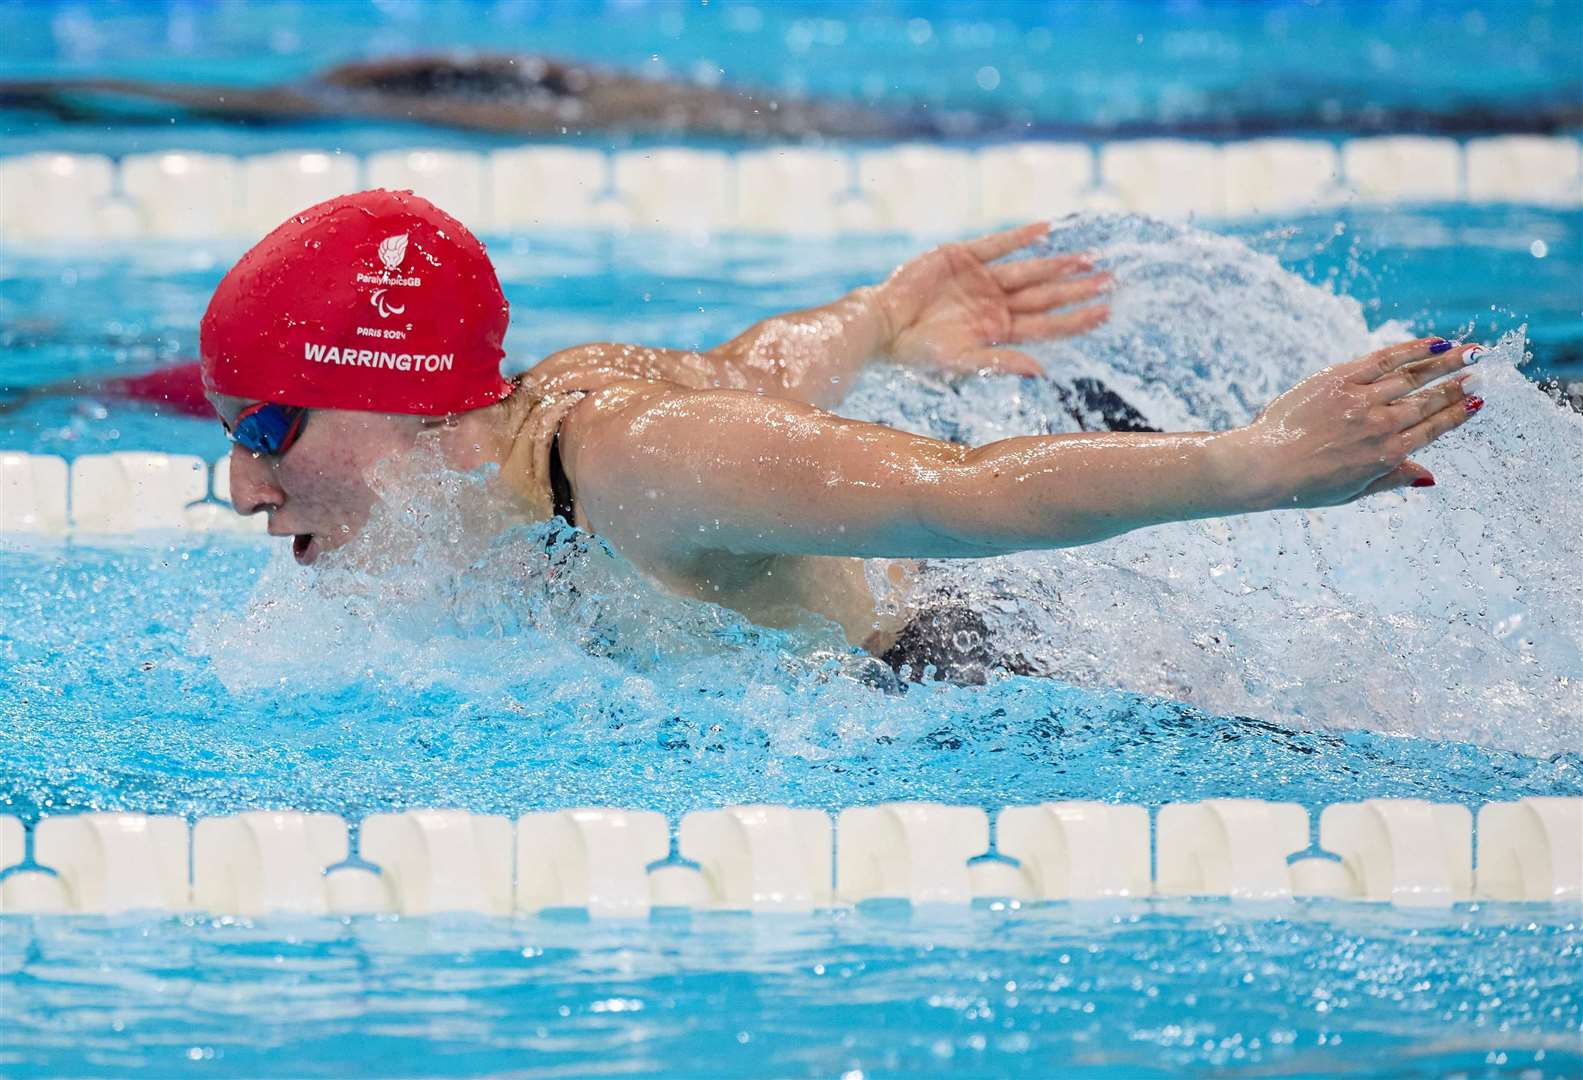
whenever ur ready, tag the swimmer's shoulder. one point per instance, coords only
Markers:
(586, 379)
(595, 366)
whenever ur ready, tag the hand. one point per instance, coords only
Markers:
(954, 308)
(1347, 431)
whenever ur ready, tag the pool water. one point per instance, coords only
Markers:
(1087, 71)
(1462, 269)
(1421, 644)
(1073, 990)
(516, 671)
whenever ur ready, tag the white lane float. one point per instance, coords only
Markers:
(597, 860)
(1228, 847)
(1531, 849)
(761, 858)
(130, 491)
(1077, 850)
(915, 851)
(441, 860)
(1408, 852)
(115, 862)
(32, 494)
(264, 861)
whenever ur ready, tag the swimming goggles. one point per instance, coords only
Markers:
(268, 427)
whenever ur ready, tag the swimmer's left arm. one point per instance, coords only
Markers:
(695, 475)
(691, 476)
(954, 309)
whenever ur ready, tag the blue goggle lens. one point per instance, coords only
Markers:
(268, 427)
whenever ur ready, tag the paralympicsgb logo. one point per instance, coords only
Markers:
(392, 250)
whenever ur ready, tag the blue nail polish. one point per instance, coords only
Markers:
(1438, 346)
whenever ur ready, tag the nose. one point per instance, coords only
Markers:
(253, 483)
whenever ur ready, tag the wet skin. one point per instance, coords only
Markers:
(723, 476)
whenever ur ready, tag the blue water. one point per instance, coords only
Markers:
(1089, 66)
(203, 676)
(1179, 989)
(116, 707)
(109, 703)
(1460, 269)
(1426, 645)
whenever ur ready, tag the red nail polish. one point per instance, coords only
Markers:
(1424, 481)
(1473, 404)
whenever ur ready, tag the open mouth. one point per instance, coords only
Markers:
(301, 546)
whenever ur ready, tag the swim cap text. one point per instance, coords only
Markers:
(375, 358)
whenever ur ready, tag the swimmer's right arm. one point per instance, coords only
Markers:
(692, 475)
(955, 309)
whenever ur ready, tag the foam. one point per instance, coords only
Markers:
(1447, 613)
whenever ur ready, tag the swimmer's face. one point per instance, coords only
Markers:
(318, 491)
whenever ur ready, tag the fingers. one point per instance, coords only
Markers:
(999, 362)
(1021, 273)
(995, 245)
(1053, 294)
(1376, 365)
(1407, 474)
(1437, 424)
(1411, 376)
(1418, 407)
(1064, 324)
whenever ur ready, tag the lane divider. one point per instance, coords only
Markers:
(619, 863)
(48, 198)
(121, 494)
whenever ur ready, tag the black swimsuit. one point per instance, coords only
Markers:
(560, 487)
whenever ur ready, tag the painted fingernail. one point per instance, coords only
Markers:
(1438, 346)
(1424, 481)
(1474, 355)
(1473, 404)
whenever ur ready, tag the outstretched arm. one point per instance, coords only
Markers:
(953, 308)
(682, 475)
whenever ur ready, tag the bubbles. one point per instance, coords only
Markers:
(1392, 614)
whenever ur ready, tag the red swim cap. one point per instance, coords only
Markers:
(377, 301)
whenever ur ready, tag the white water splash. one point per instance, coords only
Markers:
(445, 586)
(1455, 611)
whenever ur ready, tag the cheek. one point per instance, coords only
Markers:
(331, 483)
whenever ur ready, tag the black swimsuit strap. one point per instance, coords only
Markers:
(560, 487)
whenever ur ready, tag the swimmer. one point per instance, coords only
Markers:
(373, 322)
(518, 95)
(542, 95)
(174, 390)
